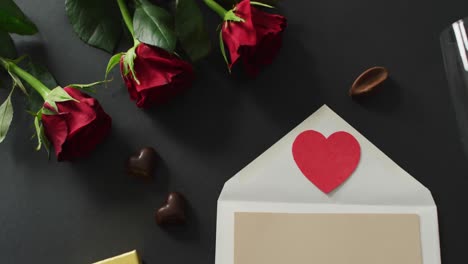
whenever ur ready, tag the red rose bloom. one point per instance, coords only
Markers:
(161, 76)
(257, 40)
(78, 127)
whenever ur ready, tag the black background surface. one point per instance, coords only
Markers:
(89, 210)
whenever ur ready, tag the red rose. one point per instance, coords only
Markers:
(161, 76)
(257, 40)
(78, 127)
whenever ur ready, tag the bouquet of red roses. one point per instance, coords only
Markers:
(169, 37)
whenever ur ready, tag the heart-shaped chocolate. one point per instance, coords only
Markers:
(142, 165)
(173, 211)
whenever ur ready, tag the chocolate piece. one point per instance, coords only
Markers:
(173, 211)
(368, 80)
(142, 165)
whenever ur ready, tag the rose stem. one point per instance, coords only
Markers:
(127, 19)
(31, 80)
(216, 7)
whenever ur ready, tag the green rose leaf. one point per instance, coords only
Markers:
(45, 111)
(35, 101)
(190, 29)
(154, 26)
(254, 3)
(38, 127)
(113, 62)
(129, 63)
(13, 20)
(18, 83)
(58, 94)
(7, 47)
(223, 50)
(44, 140)
(6, 116)
(88, 87)
(96, 22)
(40, 134)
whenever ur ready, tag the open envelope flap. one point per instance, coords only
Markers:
(273, 183)
(275, 177)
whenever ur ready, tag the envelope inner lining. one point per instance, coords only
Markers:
(280, 238)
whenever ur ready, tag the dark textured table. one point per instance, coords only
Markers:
(86, 211)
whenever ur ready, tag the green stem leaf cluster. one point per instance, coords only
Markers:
(37, 83)
(6, 109)
(12, 20)
(179, 32)
(22, 78)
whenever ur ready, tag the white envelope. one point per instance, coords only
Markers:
(273, 183)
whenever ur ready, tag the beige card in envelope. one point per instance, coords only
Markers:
(278, 238)
(271, 213)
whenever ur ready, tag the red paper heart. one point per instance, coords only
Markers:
(326, 162)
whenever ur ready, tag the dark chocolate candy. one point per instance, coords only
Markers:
(368, 81)
(173, 211)
(142, 165)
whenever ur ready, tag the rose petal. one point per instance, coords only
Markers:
(156, 71)
(269, 29)
(78, 127)
(56, 131)
(239, 34)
